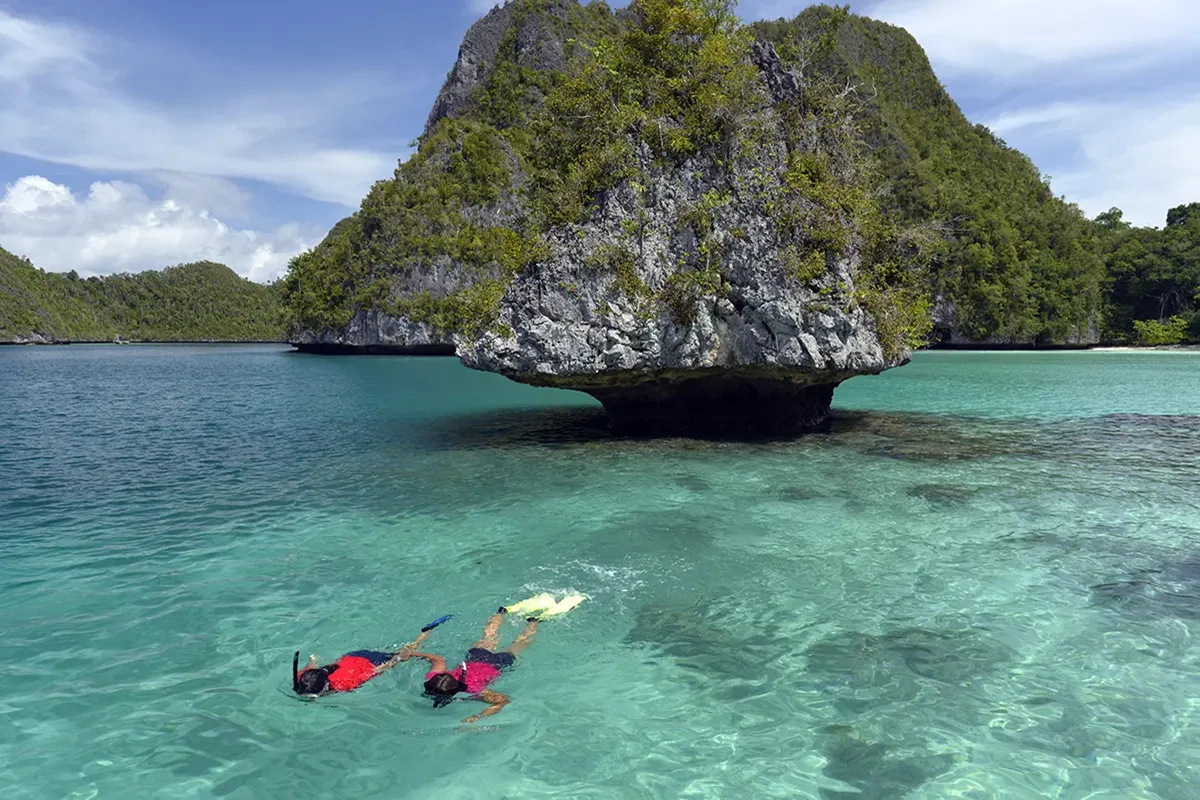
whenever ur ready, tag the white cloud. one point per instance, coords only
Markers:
(60, 104)
(218, 195)
(1011, 36)
(28, 47)
(1055, 116)
(118, 227)
(1139, 155)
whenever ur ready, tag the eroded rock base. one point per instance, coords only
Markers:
(333, 349)
(718, 407)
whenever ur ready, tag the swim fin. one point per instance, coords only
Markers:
(563, 606)
(532, 605)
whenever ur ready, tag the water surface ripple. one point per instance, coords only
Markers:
(984, 584)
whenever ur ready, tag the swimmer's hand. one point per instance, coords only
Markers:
(496, 703)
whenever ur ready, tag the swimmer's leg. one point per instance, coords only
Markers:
(491, 633)
(525, 639)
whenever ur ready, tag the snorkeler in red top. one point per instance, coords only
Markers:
(351, 670)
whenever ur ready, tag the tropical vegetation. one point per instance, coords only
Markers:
(193, 302)
(533, 150)
(1153, 278)
(1018, 263)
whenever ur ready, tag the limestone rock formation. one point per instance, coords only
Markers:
(707, 259)
(763, 353)
(377, 333)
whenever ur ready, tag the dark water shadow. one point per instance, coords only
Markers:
(1171, 590)
(565, 427)
(876, 770)
(930, 438)
(903, 436)
(517, 428)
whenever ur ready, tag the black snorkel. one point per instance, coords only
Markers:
(296, 672)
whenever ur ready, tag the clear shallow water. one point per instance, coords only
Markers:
(985, 584)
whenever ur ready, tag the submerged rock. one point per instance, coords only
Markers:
(864, 661)
(799, 494)
(1173, 590)
(943, 494)
(876, 770)
(693, 483)
(928, 437)
(710, 640)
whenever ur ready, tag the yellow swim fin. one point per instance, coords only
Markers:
(563, 606)
(532, 605)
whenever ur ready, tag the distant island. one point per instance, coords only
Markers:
(200, 302)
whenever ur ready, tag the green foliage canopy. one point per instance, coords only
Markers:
(193, 302)
(1017, 262)
(1153, 277)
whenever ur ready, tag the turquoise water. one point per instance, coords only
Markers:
(985, 584)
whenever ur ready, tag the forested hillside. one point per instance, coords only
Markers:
(1019, 264)
(1153, 277)
(193, 302)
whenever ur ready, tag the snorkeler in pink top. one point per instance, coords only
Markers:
(478, 670)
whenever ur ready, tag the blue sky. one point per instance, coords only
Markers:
(135, 134)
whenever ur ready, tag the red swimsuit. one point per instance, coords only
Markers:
(349, 673)
(479, 675)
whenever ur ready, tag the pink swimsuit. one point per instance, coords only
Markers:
(479, 675)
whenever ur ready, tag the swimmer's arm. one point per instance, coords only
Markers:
(413, 645)
(436, 662)
(402, 654)
(497, 703)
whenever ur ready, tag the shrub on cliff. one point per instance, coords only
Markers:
(1154, 274)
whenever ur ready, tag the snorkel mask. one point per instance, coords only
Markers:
(307, 693)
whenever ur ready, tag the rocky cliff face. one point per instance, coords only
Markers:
(536, 40)
(707, 271)
(377, 333)
(761, 352)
